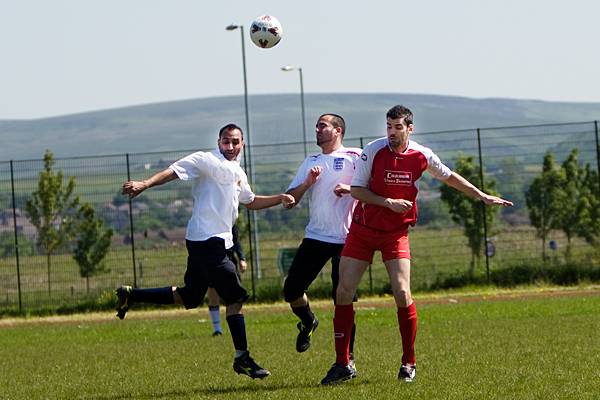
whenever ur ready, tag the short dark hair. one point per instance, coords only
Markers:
(336, 120)
(400, 112)
(230, 127)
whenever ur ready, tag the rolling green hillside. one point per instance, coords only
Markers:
(192, 124)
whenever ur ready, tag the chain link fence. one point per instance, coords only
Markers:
(148, 246)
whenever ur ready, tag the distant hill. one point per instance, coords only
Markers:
(193, 124)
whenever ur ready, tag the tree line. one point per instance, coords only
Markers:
(563, 198)
(59, 218)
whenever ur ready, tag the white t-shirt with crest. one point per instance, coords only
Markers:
(330, 215)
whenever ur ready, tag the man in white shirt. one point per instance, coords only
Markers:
(326, 179)
(218, 186)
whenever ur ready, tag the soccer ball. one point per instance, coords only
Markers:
(265, 31)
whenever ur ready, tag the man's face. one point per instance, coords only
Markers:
(231, 143)
(398, 133)
(325, 131)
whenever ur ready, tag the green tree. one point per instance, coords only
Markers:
(579, 213)
(570, 210)
(512, 184)
(52, 209)
(589, 211)
(7, 245)
(469, 212)
(93, 242)
(544, 199)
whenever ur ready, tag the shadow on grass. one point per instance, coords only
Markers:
(251, 387)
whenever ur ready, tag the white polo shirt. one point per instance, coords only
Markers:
(330, 215)
(218, 186)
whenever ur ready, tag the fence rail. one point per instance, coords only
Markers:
(148, 245)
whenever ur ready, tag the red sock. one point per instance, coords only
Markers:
(407, 319)
(343, 320)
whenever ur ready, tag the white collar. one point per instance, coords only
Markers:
(220, 155)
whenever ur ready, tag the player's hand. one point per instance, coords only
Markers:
(496, 201)
(398, 205)
(133, 188)
(341, 189)
(287, 200)
(313, 175)
(243, 266)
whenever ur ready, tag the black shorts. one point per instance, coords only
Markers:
(208, 265)
(234, 259)
(311, 257)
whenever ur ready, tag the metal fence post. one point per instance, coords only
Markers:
(251, 254)
(483, 210)
(131, 225)
(370, 272)
(597, 153)
(14, 207)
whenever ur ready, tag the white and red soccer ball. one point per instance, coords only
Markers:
(265, 31)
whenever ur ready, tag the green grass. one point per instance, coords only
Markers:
(522, 348)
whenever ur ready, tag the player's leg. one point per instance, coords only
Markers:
(306, 266)
(357, 254)
(335, 279)
(351, 271)
(399, 272)
(127, 296)
(214, 312)
(224, 279)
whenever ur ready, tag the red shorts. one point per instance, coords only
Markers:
(362, 242)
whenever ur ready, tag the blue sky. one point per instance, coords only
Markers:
(68, 56)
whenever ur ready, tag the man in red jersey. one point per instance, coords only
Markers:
(385, 183)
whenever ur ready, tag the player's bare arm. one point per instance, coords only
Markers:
(341, 189)
(260, 202)
(134, 188)
(311, 178)
(367, 196)
(461, 184)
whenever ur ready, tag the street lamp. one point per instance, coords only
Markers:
(248, 162)
(291, 68)
(252, 233)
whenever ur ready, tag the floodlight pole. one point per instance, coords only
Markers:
(252, 233)
(291, 68)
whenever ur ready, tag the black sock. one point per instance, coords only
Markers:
(162, 295)
(305, 314)
(352, 335)
(237, 327)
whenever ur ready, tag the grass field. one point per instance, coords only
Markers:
(512, 345)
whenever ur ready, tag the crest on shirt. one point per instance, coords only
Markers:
(402, 178)
(338, 163)
(363, 157)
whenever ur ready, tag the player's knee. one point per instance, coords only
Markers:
(291, 293)
(233, 309)
(403, 297)
(185, 297)
(344, 294)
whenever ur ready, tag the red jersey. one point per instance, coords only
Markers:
(393, 175)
